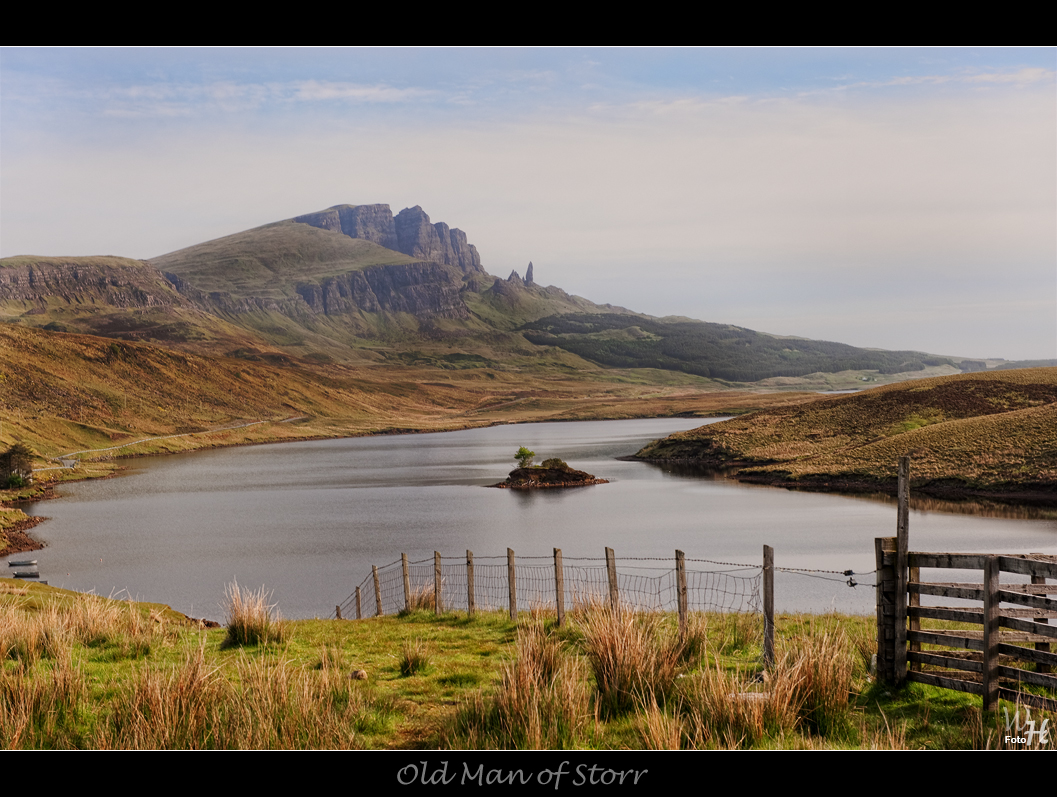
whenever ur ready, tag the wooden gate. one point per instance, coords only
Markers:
(1011, 649)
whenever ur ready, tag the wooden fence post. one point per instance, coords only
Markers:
(511, 577)
(469, 583)
(359, 614)
(680, 590)
(437, 609)
(407, 582)
(885, 578)
(611, 571)
(991, 633)
(1043, 646)
(902, 547)
(337, 611)
(914, 601)
(559, 586)
(377, 591)
(768, 606)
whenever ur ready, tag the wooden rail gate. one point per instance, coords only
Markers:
(1010, 651)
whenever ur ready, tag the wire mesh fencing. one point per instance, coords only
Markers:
(552, 583)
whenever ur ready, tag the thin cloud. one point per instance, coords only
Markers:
(321, 90)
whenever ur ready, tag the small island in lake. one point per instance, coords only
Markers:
(552, 473)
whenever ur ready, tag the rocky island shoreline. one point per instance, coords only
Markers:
(535, 478)
(552, 473)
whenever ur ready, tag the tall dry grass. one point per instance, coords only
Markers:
(821, 668)
(422, 598)
(252, 620)
(270, 705)
(29, 636)
(541, 702)
(633, 657)
(44, 711)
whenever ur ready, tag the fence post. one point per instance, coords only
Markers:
(559, 586)
(611, 571)
(469, 583)
(437, 609)
(359, 614)
(512, 583)
(377, 591)
(680, 590)
(913, 602)
(768, 606)
(337, 611)
(407, 582)
(991, 633)
(902, 545)
(1042, 646)
(885, 578)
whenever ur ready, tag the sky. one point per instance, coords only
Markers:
(898, 198)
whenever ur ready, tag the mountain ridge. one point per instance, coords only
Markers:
(357, 283)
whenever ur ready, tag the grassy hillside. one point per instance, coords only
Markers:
(79, 671)
(270, 261)
(297, 290)
(990, 434)
(114, 297)
(62, 392)
(717, 351)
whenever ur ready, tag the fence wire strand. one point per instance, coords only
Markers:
(586, 581)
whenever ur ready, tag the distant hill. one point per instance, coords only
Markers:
(358, 284)
(717, 351)
(988, 434)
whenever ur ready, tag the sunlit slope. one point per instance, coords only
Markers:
(113, 297)
(64, 392)
(995, 430)
(270, 261)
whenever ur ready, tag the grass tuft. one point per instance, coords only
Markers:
(631, 657)
(251, 619)
(541, 702)
(414, 658)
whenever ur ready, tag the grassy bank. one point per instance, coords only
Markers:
(86, 672)
(61, 393)
(988, 435)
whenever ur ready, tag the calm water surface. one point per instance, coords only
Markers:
(307, 520)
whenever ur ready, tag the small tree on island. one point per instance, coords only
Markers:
(524, 457)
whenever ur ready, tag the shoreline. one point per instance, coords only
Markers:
(1042, 495)
(18, 539)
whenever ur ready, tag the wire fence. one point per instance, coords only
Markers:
(641, 584)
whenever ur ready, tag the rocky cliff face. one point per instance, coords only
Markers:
(116, 282)
(426, 290)
(422, 289)
(410, 232)
(371, 222)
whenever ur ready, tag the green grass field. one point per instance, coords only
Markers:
(80, 671)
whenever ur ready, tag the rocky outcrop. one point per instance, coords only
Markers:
(423, 289)
(115, 282)
(426, 290)
(535, 478)
(528, 275)
(224, 303)
(371, 222)
(410, 232)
